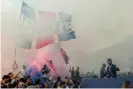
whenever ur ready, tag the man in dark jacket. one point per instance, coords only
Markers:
(72, 73)
(111, 70)
(45, 70)
(77, 76)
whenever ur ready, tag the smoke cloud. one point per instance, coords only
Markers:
(104, 29)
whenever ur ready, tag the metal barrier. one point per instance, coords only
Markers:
(104, 82)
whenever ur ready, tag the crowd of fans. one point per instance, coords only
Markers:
(18, 81)
(22, 80)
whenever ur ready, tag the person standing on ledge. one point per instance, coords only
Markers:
(103, 71)
(111, 70)
(45, 72)
(72, 73)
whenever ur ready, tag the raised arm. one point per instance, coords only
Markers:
(117, 69)
(16, 75)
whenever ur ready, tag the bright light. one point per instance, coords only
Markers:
(34, 63)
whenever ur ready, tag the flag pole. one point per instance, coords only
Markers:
(21, 9)
(14, 59)
(15, 53)
(58, 41)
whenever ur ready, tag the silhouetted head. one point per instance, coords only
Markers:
(109, 61)
(5, 78)
(127, 84)
(45, 66)
(104, 65)
(58, 79)
(10, 74)
(24, 67)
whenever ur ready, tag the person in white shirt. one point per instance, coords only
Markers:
(23, 71)
(103, 71)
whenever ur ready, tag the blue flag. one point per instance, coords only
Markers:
(67, 36)
(27, 11)
(65, 30)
